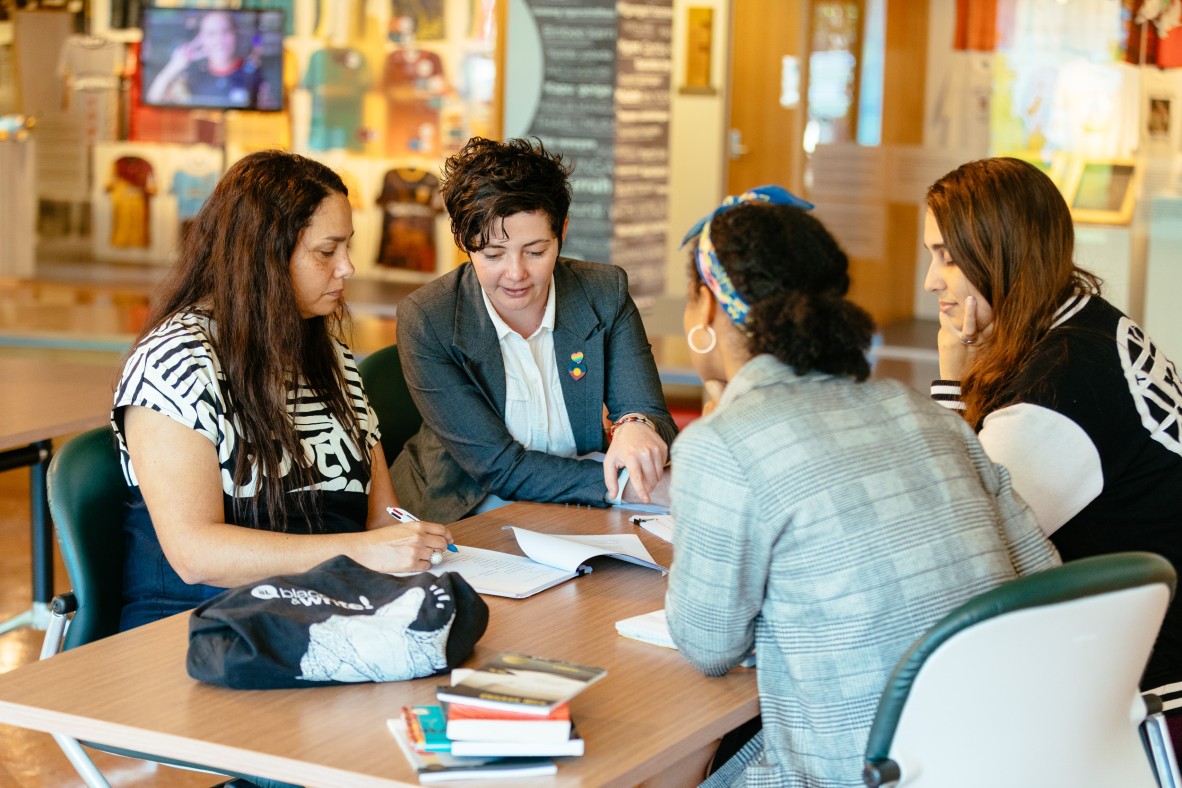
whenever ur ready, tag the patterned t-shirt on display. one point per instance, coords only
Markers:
(337, 79)
(410, 201)
(132, 184)
(413, 85)
(192, 190)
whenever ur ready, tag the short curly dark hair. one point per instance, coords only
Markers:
(490, 180)
(794, 276)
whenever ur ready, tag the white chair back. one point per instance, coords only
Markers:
(1040, 697)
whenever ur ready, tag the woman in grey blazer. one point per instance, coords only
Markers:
(823, 519)
(514, 357)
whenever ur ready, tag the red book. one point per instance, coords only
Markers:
(475, 723)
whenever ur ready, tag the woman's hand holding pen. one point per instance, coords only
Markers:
(403, 546)
(403, 516)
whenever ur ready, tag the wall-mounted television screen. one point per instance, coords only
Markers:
(216, 59)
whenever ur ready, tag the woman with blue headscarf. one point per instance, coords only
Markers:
(823, 519)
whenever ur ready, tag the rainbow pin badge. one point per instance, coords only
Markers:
(577, 369)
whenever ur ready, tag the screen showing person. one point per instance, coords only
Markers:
(213, 59)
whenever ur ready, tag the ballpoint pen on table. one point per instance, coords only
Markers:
(403, 516)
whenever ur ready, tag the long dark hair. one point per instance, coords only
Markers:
(233, 263)
(794, 276)
(1006, 226)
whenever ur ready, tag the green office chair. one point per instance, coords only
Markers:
(87, 496)
(381, 374)
(1034, 683)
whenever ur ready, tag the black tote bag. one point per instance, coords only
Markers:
(337, 623)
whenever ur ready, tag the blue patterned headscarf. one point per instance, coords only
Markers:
(706, 259)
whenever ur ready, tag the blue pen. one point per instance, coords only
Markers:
(403, 516)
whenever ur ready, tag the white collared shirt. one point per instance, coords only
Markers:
(535, 411)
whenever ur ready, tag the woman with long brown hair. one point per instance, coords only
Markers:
(246, 439)
(1063, 389)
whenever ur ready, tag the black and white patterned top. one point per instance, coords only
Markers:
(1091, 432)
(175, 371)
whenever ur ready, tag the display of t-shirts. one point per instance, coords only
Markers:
(338, 79)
(91, 62)
(426, 17)
(131, 186)
(410, 201)
(191, 191)
(413, 85)
(91, 67)
(961, 111)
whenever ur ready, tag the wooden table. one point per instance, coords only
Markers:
(650, 715)
(41, 400)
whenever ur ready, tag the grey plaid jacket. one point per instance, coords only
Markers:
(828, 524)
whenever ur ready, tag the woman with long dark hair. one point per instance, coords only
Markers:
(823, 518)
(1063, 389)
(246, 438)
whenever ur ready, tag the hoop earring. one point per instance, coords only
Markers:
(689, 339)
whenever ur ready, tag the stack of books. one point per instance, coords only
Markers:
(509, 718)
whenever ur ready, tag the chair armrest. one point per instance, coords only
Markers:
(60, 608)
(63, 604)
(1156, 735)
(876, 774)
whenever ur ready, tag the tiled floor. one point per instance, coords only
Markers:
(84, 312)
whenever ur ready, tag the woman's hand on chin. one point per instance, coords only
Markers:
(957, 345)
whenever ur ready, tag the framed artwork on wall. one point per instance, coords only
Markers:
(1102, 191)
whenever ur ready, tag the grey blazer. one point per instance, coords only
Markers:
(828, 524)
(452, 361)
